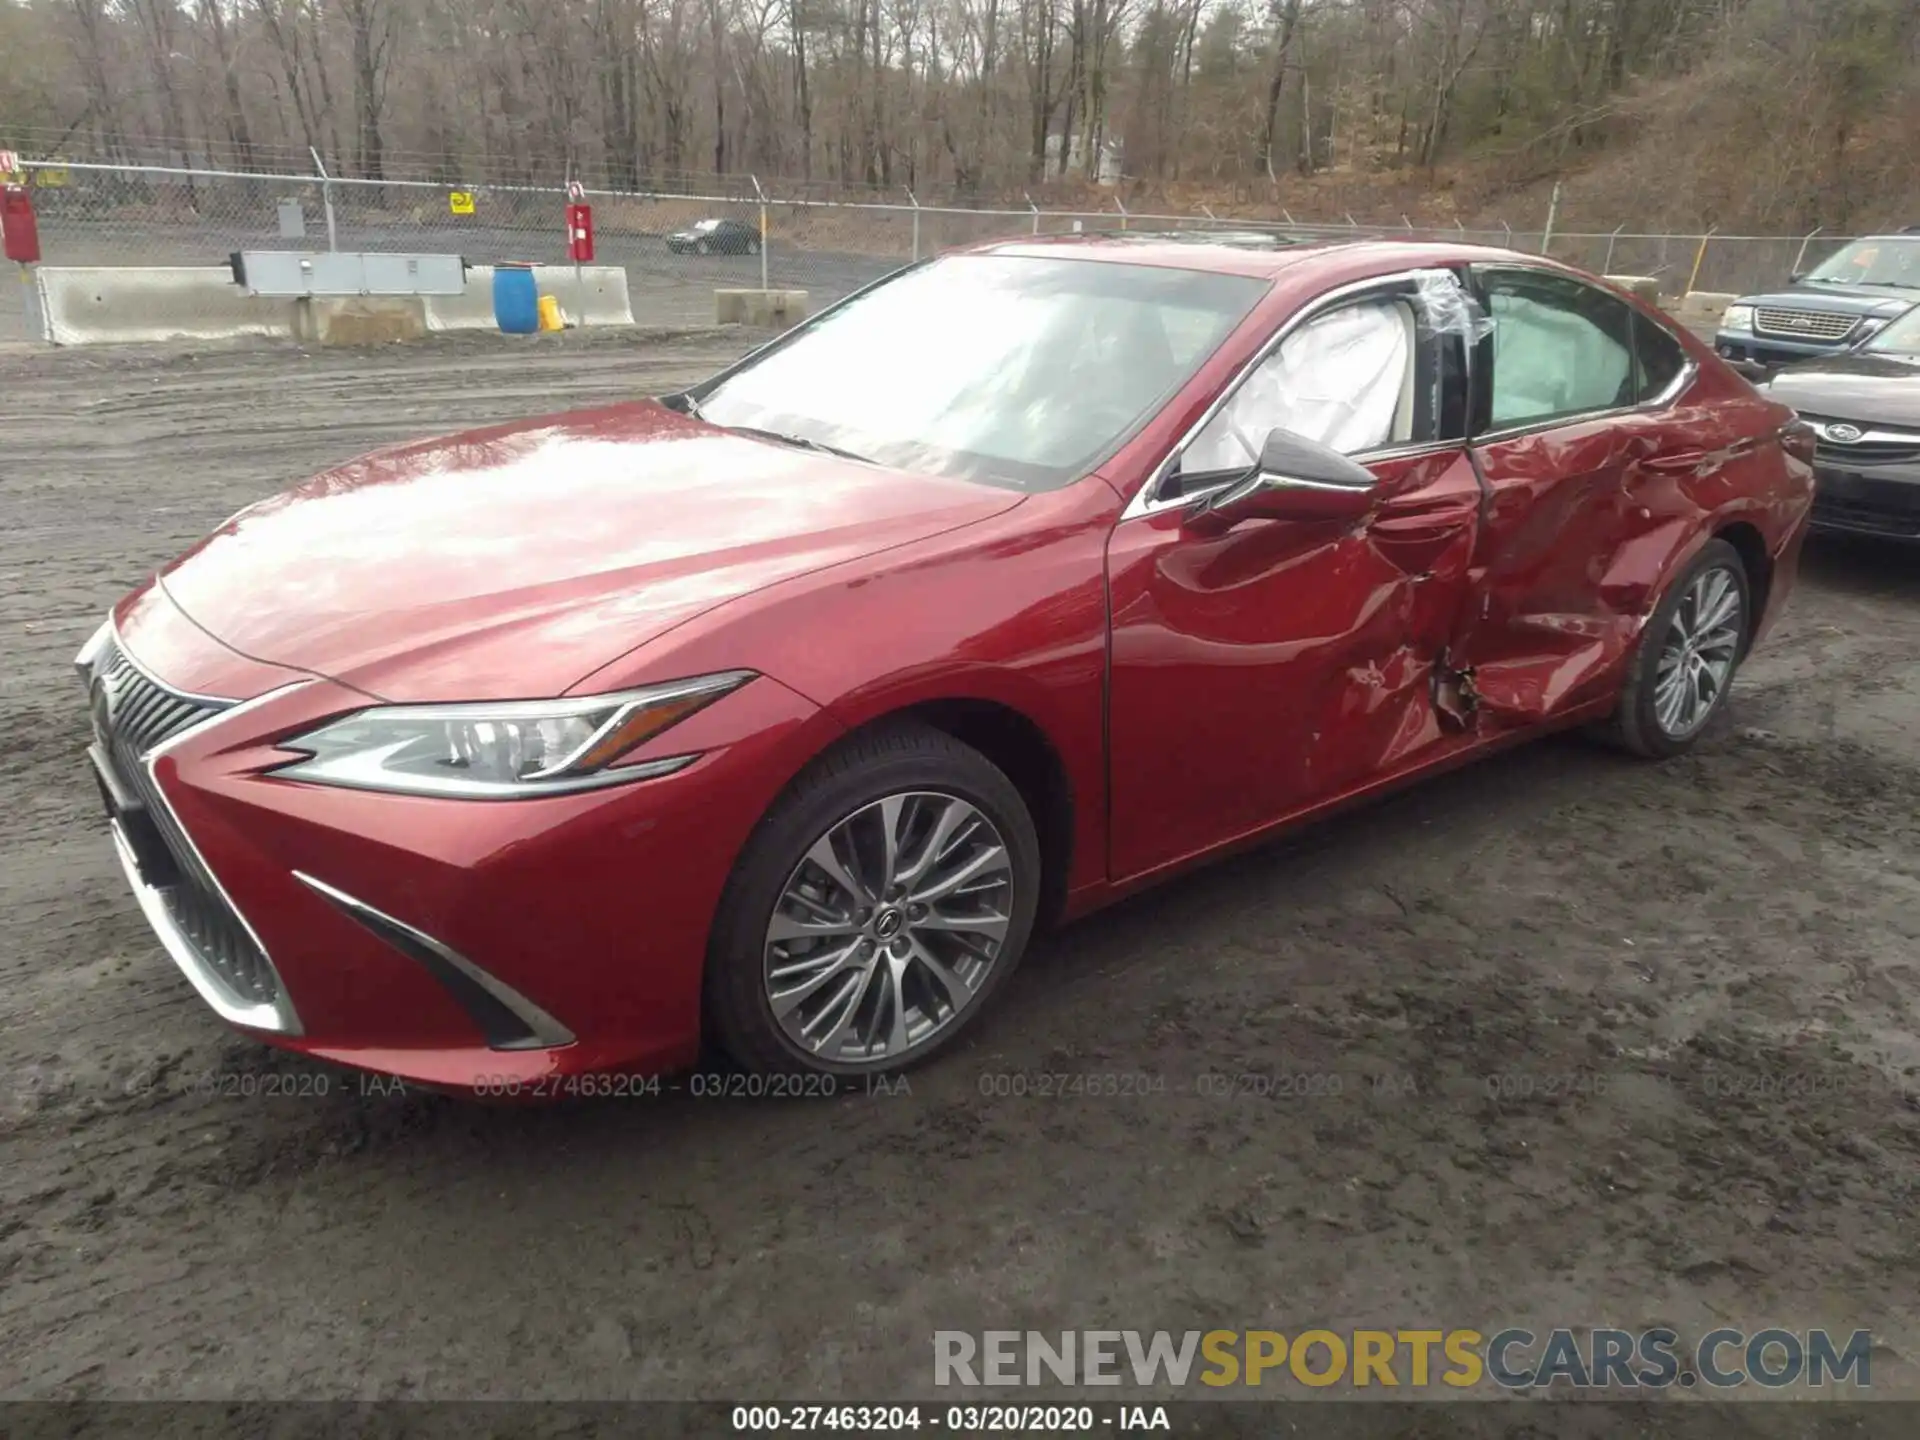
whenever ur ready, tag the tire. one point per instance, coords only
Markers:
(753, 247)
(923, 779)
(1645, 725)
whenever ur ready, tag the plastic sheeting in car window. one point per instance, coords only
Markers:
(1449, 308)
(1344, 379)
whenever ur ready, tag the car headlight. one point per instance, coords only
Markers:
(1738, 317)
(504, 750)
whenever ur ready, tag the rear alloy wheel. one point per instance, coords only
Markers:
(879, 905)
(1688, 654)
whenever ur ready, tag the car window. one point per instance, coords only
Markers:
(706, 227)
(1560, 348)
(1658, 359)
(1014, 369)
(1883, 260)
(1345, 379)
(1902, 337)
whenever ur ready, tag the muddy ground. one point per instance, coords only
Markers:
(1586, 1041)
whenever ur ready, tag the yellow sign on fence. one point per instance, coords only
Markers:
(460, 202)
(51, 177)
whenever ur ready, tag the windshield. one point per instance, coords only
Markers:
(1002, 368)
(1882, 260)
(1902, 337)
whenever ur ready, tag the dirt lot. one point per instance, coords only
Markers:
(1588, 1041)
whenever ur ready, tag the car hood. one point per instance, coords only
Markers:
(515, 561)
(1846, 299)
(1876, 389)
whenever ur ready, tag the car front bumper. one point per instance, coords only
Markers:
(1880, 500)
(1766, 350)
(458, 943)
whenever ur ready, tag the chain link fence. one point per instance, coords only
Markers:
(804, 239)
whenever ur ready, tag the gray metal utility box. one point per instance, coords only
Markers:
(290, 273)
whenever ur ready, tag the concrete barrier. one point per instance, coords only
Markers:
(598, 297)
(360, 319)
(1704, 307)
(763, 309)
(470, 311)
(91, 305)
(1647, 287)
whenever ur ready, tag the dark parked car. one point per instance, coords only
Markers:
(715, 237)
(1864, 407)
(1836, 305)
(784, 708)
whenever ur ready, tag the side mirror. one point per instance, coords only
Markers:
(1296, 479)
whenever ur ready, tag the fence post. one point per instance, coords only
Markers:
(326, 199)
(1553, 214)
(1212, 219)
(1799, 259)
(1612, 240)
(1123, 211)
(916, 223)
(761, 196)
(1287, 215)
(1035, 209)
(1700, 258)
(576, 195)
(1509, 229)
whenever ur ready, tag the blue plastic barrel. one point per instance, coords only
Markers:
(516, 299)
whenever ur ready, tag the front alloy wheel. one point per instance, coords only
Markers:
(877, 908)
(887, 929)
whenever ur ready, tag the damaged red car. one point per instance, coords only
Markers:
(780, 712)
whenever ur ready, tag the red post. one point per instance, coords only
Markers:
(580, 234)
(21, 228)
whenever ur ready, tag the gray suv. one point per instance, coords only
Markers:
(1841, 302)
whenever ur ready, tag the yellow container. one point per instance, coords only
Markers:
(550, 316)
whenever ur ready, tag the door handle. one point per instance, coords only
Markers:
(1418, 529)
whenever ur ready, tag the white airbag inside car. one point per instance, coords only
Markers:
(1344, 379)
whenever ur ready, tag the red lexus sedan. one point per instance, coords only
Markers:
(783, 710)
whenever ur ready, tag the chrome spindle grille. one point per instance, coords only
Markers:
(143, 716)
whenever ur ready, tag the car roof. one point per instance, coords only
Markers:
(1261, 254)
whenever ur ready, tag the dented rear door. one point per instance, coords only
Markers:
(1581, 420)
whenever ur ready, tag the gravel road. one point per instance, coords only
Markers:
(1587, 1041)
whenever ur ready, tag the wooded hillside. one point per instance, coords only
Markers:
(1763, 114)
